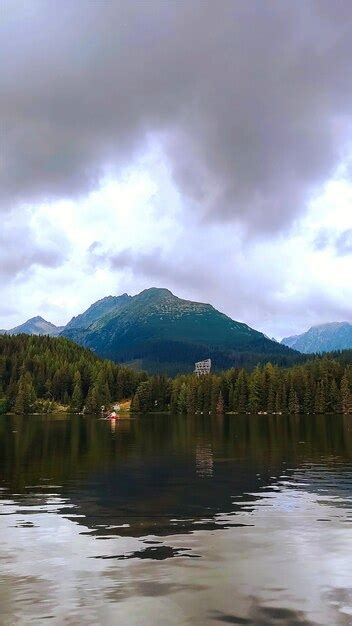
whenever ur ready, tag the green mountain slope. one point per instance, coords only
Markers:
(159, 332)
(96, 311)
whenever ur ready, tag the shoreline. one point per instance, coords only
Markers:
(171, 413)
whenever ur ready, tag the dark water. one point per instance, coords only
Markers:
(174, 521)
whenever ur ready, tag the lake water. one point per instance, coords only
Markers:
(172, 521)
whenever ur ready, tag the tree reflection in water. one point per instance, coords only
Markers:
(245, 519)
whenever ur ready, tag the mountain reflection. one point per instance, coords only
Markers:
(166, 475)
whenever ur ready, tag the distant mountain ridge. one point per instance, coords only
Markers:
(161, 333)
(322, 338)
(35, 326)
(157, 331)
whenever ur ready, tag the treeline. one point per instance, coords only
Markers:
(175, 356)
(37, 373)
(321, 385)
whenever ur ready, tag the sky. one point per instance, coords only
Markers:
(201, 146)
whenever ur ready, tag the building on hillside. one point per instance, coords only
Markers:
(202, 367)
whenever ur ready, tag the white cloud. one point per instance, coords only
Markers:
(134, 232)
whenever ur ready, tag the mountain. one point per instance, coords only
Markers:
(96, 311)
(322, 338)
(290, 341)
(159, 332)
(35, 326)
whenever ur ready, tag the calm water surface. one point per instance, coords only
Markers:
(174, 521)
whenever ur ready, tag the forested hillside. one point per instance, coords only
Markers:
(37, 373)
(321, 385)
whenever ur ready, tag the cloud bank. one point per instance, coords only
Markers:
(228, 117)
(250, 101)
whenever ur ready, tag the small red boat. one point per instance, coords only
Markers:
(112, 416)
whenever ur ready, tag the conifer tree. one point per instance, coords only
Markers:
(105, 396)
(135, 404)
(308, 397)
(48, 388)
(21, 400)
(92, 401)
(26, 395)
(320, 405)
(215, 390)
(143, 397)
(231, 398)
(334, 398)
(77, 396)
(220, 404)
(182, 399)
(293, 404)
(255, 391)
(207, 392)
(271, 399)
(240, 396)
(278, 402)
(346, 395)
(191, 397)
(200, 397)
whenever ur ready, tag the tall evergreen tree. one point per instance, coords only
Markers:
(240, 397)
(191, 400)
(334, 401)
(308, 396)
(77, 396)
(92, 403)
(255, 391)
(182, 399)
(220, 404)
(293, 403)
(320, 405)
(143, 397)
(346, 396)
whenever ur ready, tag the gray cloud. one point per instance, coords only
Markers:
(160, 268)
(322, 239)
(20, 251)
(340, 243)
(253, 291)
(250, 101)
(343, 243)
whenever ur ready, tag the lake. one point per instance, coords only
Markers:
(163, 520)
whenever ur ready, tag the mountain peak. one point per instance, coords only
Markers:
(322, 338)
(157, 331)
(153, 292)
(36, 325)
(37, 318)
(329, 325)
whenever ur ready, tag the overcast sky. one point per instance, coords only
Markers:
(196, 145)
